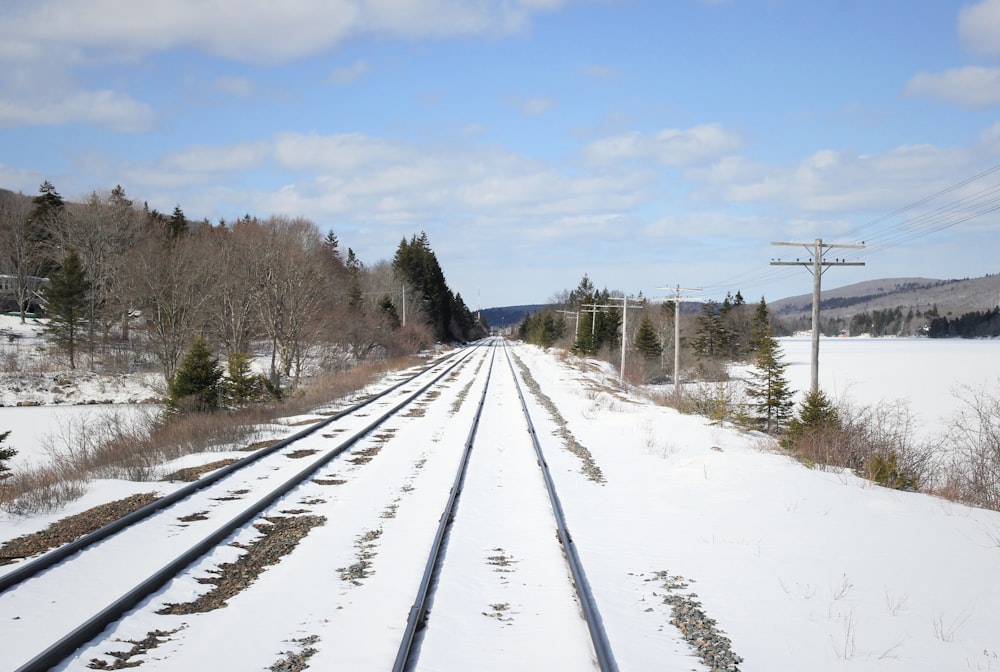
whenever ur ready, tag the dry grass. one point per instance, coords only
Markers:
(134, 446)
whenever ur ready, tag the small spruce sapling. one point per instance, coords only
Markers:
(196, 385)
(5, 455)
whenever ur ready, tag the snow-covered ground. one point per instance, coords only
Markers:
(929, 375)
(803, 569)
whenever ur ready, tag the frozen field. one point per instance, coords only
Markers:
(926, 374)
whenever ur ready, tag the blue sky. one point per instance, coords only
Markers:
(642, 142)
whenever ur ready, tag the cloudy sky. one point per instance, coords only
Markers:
(642, 142)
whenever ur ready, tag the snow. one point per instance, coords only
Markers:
(803, 569)
(929, 375)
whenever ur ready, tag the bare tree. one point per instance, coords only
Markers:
(974, 442)
(21, 253)
(169, 280)
(291, 293)
(234, 283)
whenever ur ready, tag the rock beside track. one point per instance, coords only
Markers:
(709, 643)
(72, 528)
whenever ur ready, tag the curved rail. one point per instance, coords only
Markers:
(407, 654)
(38, 565)
(65, 646)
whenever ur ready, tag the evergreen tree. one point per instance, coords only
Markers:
(712, 339)
(332, 245)
(583, 294)
(196, 383)
(177, 224)
(760, 327)
(66, 306)
(387, 309)
(418, 265)
(816, 414)
(242, 386)
(5, 455)
(771, 398)
(46, 216)
(647, 342)
(354, 268)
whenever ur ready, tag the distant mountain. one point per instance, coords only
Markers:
(950, 297)
(509, 316)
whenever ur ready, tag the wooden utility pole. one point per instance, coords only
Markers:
(576, 316)
(677, 333)
(624, 300)
(817, 265)
(593, 309)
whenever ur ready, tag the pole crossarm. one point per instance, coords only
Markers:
(576, 316)
(817, 265)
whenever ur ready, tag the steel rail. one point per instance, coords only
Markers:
(418, 612)
(406, 655)
(65, 646)
(38, 565)
(595, 624)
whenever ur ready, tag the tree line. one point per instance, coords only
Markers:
(129, 288)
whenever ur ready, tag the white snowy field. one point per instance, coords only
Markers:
(803, 569)
(929, 375)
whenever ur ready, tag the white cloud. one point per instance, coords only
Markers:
(345, 152)
(979, 27)
(596, 71)
(670, 147)
(257, 31)
(20, 179)
(210, 159)
(837, 181)
(109, 109)
(973, 86)
(534, 106)
(242, 87)
(350, 73)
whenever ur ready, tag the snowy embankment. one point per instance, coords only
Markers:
(802, 569)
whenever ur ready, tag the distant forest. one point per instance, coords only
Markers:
(976, 324)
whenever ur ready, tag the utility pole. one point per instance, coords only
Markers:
(624, 300)
(817, 265)
(677, 333)
(391, 294)
(576, 315)
(594, 309)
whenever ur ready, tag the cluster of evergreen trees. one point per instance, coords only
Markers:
(446, 312)
(977, 324)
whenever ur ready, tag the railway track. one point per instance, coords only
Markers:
(231, 498)
(550, 594)
(400, 518)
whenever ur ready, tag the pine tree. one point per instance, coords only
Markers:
(760, 327)
(771, 398)
(178, 223)
(647, 342)
(712, 339)
(242, 386)
(196, 383)
(5, 455)
(66, 305)
(46, 218)
(816, 414)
